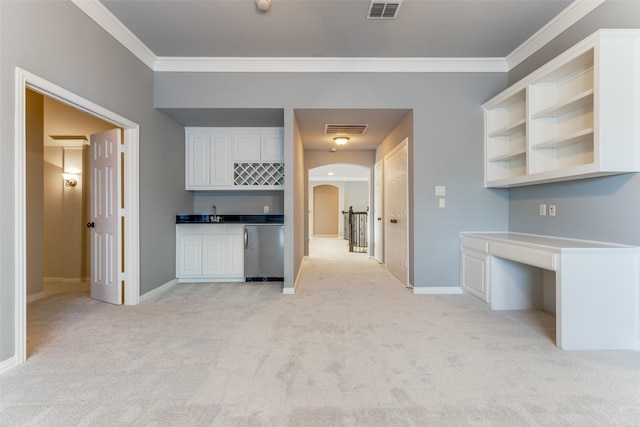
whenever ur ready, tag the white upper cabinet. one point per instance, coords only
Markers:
(265, 145)
(271, 146)
(234, 158)
(576, 117)
(246, 147)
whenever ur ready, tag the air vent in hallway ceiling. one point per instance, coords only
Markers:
(331, 129)
(383, 10)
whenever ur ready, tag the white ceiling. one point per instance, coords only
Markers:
(327, 29)
(333, 28)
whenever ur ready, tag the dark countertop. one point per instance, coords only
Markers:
(231, 219)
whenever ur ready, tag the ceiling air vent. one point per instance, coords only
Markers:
(383, 10)
(331, 129)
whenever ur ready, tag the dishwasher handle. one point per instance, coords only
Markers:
(246, 238)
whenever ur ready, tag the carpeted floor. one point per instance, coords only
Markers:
(352, 347)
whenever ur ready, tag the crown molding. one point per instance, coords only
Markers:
(112, 25)
(577, 10)
(331, 65)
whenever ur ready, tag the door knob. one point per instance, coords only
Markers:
(91, 225)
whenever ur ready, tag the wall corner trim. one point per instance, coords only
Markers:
(565, 19)
(437, 290)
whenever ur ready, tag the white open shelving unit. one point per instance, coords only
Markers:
(576, 117)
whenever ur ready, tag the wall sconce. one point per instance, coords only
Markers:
(70, 180)
(341, 140)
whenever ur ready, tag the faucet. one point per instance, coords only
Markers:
(214, 214)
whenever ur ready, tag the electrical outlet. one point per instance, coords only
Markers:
(441, 203)
(542, 209)
(552, 210)
(266, 209)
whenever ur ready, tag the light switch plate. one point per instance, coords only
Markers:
(542, 209)
(440, 190)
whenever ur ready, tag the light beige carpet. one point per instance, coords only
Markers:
(352, 347)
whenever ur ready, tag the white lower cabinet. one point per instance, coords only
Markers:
(475, 273)
(209, 252)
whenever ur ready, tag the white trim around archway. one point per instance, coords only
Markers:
(26, 80)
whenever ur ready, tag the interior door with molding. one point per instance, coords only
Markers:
(105, 218)
(396, 203)
(377, 212)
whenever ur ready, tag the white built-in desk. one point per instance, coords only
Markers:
(592, 287)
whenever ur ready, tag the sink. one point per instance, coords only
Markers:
(230, 219)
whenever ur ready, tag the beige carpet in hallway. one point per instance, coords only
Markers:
(352, 347)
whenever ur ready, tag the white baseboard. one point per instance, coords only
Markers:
(8, 364)
(225, 279)
(292, 291)
(158, 290)
(35, 297)
(437, 290)
(65, 280)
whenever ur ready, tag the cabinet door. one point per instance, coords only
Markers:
(213, 255)
(235, 255)
(197, 160)
(220, 164)
(271, 146)
(475, 271)
(247, 147)
(189, 256)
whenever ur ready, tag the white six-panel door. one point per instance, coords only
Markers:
(396, 212)
(105, 218)
(378, 214)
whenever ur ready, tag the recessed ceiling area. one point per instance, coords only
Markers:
(339, 172)
(227, 117)
(311, 123)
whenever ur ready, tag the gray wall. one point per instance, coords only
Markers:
(238, 202)
(58, 42)
(447, 147)
(606, 208)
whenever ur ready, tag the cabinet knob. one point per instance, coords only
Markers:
(91, 225)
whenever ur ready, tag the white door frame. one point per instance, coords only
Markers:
(26, 80)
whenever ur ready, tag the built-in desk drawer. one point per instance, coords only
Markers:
(478, 245)
(535, 257)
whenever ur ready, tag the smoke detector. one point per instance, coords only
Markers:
(263, 5)
(383, 9)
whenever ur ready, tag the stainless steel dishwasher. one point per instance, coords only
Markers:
(264, 252)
